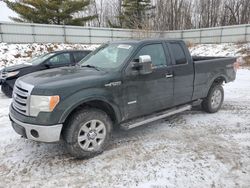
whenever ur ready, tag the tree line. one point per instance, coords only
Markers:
(134, 14)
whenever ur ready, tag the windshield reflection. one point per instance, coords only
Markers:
(108, 56)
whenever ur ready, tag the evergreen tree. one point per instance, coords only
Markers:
(50, 11)
(134, 13)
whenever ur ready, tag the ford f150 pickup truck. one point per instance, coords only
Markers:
(121, 84)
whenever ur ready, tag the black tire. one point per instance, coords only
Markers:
(208, 103)
(7, 90)
(72, 132)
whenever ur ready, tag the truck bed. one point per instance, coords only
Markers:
(202, 58)
(207, 69)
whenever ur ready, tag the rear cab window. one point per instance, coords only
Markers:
(178, 53)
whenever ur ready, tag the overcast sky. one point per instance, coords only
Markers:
(5, 12)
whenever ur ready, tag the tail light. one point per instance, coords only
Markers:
(236, 65)
(239, 61)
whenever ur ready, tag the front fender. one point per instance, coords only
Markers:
(73, 101)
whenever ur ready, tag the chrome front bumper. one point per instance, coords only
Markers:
(37, 132)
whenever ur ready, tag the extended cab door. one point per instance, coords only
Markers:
(145, 94)
(183, 72)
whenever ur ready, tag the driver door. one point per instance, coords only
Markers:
(145, 94)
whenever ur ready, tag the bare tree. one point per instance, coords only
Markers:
(176, 14)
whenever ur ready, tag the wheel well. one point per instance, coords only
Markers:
(219, 80)
(107, 108)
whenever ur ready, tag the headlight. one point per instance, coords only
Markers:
(42, 104)
(10, 74)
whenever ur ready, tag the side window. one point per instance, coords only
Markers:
(179, 54)
(63, 58)
(156, 53)
(79, 56)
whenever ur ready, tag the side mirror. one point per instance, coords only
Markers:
(144, 66)
(48, 64)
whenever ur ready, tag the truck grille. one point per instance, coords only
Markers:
(21, 97)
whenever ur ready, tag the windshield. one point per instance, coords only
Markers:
(39, 59)
(108, 56)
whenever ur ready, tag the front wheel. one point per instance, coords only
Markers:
(87, 132)
(212, 103)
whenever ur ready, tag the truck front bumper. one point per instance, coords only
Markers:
(37, 132)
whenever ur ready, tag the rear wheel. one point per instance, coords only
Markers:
(212, 103)
(7, 90)
(87, 132)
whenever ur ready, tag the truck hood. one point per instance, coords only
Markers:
(64, 78)
(17, 67)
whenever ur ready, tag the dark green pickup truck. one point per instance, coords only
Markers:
(121, 84)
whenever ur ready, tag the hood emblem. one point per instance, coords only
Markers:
(111, 84)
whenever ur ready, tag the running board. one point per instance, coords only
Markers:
(154, 117)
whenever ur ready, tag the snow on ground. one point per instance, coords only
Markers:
(192, 149)
(227, 49)
(17, 53)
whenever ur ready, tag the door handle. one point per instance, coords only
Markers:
(169, 75)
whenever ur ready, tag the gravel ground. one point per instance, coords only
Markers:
(192, 149)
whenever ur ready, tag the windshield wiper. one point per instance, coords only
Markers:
(91, 66)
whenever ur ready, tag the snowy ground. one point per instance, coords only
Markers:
(193, 149)
(17, 53)
(227, 49)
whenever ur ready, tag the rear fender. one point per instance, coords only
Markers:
(217, 78)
